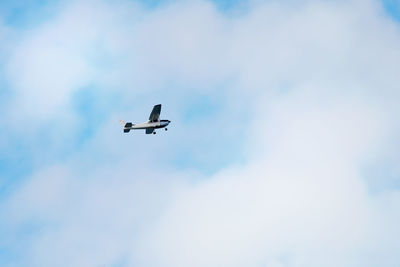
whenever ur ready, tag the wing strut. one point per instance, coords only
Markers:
(149, 130)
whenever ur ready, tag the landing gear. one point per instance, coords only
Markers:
(166, 129)
(154, 132)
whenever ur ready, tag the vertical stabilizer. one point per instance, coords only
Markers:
(127, 125)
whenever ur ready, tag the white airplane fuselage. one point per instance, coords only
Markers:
(146, 125)
(153, 123)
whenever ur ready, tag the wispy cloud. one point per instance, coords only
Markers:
(281, 168)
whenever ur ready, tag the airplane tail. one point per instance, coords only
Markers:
(126, 125)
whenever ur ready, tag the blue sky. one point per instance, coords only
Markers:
(94, 104)
(245, 158)
(29, 14)
(393, 8)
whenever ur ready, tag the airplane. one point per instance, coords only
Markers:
(150, 126)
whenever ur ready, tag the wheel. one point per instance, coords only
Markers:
(154, 132)
(166, 129)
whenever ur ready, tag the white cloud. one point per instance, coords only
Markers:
(304, 203)
(321, 88)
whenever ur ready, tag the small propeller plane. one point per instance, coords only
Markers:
(150, 126)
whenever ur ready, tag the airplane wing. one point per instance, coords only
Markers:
(149, 130)
(155, 114)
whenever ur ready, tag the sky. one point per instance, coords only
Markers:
(282, 150)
